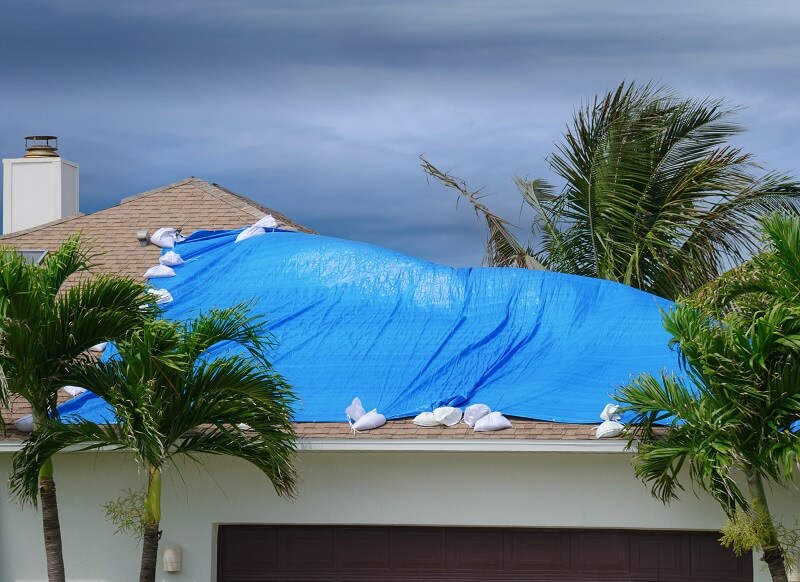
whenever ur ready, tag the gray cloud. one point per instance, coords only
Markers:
(320, 109)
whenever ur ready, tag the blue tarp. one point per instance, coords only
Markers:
(406, 335)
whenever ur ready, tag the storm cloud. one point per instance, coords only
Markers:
(320, 109)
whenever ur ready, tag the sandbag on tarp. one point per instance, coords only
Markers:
(407, 335)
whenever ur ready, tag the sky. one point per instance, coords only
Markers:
(320, 109)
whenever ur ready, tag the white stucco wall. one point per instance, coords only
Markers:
(403, 488)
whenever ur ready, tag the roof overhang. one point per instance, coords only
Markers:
(319, 445)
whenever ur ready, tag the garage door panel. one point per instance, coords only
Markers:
(252, 550)
(419, 549)
(363, 548)
(709, 558)
(538, 551)
(660, 556)
(645, 555)
(308, 549)
(600, 551)
(473, 549)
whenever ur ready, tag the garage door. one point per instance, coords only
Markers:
(334, 553)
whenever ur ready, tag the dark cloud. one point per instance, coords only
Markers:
(320, 109)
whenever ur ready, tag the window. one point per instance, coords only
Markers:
(34, 257)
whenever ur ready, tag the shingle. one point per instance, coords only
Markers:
(190, 204)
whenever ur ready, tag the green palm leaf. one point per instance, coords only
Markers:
(169, 399)
(653, 195)
(46, 328)
(739, 343)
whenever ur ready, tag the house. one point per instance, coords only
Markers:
(539, 501)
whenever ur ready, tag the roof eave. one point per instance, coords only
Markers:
(464, 445)
(316, 445)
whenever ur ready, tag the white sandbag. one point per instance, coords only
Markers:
(243, 426)
(170, 259)
(610, 412)
(355, 410)
(166, 237)
(73, 390)
(447, 415)
(609, 429)
(24, 423)
(372, 419)
(425, 419)
(267, 222)
(101, 347)
(159, 271)
(492, 421)
(162, 296)
(249, 232)
(474, 412)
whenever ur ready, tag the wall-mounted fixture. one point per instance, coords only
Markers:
(171, 562)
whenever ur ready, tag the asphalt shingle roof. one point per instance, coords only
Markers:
(190, 204)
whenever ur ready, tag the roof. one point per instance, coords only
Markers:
(191, 204)
(393, 429)
(194, 204)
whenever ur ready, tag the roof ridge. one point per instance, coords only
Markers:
(260, 210)
(160, 189)
(221, 193)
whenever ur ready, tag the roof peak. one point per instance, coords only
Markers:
(185, 181)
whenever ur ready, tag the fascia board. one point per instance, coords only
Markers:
(463, 445)
(420, 445)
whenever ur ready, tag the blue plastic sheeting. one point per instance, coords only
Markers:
(406, 335)
(87, 406)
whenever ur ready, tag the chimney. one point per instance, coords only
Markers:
(39, 187)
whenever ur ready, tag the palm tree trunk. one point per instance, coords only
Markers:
(773, 553)
(152, 519)
(50, 523)
(51, 527)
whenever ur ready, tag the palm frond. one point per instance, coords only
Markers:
(231, 390)
(771, 275)
(271, 453)
(46, 328)
(172, 395)
(502, 247)
(70, 258)
(655, 401)
(697, 438)
(49, 438)
(653, 197)
(233, 324)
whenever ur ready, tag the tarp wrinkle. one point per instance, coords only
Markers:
(408, 336)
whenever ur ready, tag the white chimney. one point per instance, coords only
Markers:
(39, 187)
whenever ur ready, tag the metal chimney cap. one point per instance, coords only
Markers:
(39, 146)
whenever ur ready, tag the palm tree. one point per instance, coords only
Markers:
(769, 277)
(653, 196)
(736, 410)
(47, 324)
(172, 398)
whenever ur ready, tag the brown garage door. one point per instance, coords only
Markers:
(346, 553)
